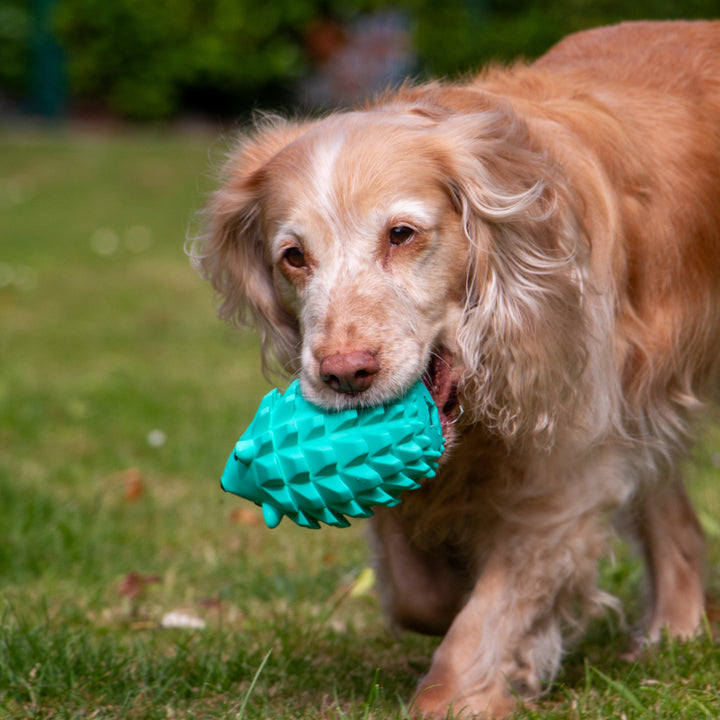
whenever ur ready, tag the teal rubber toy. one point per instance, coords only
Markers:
(317, 465)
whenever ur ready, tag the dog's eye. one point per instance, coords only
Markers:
(400, 234)
(295, 257)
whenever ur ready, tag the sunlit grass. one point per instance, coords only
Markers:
(120, 398)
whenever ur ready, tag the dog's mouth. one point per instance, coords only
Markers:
(438, 379)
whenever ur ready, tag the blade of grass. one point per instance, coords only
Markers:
(241, 713)
(373, 695)
(622, 690)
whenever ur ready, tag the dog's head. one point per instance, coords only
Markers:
(374, 248)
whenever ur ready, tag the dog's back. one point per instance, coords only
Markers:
(661, 82)
(658, 55)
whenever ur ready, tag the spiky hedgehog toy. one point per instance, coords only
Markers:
(313, 465)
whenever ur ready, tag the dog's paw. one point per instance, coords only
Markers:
(439, 699)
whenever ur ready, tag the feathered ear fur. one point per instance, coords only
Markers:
(231, 251)
(523, 337)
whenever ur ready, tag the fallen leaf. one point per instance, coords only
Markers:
(211, 603)
(142, 625)
(245, 516)
(133, 584)
(355, 587)
(364, 583)
(134, 485)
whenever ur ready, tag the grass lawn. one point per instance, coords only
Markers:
(120, 398)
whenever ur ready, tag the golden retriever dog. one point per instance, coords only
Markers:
(541, 245)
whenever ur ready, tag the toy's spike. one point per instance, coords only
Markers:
(361, 477)
(336, 422)
(379, 441)
(375, 496)
(286, 435)
(333, 490)
(386, 465)
(350, 448)
(354, 509)
(314, 428)
(307, 496)
(293, 463)
(408, 452)
(305, 520)
(400, 483)
(272, 515)
(320, 457)
(400, 433)
(419, 470)
(331, 518)
(394, 412)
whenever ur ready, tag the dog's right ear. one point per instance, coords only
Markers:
(230, 252)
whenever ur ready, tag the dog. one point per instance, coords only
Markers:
(541, 245)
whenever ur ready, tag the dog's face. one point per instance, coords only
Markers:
(372, 249)
(367, 252)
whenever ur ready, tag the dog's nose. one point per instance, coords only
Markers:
(349, 373)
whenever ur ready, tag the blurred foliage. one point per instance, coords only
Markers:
(143, 57)
(15, 30)
(148, 59)
(153, 59)
(457, 36)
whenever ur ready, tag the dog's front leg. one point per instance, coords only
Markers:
(506, 642)
(421, 590)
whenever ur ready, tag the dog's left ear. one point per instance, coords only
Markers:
(524, 329)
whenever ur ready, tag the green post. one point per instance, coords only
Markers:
(47, 86)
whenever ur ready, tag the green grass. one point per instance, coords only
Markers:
(120, 398)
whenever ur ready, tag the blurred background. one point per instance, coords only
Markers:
(215, 59)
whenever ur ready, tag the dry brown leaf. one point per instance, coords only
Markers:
(212, 603)
(134, 484)
(245, 516)
(134, 583)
